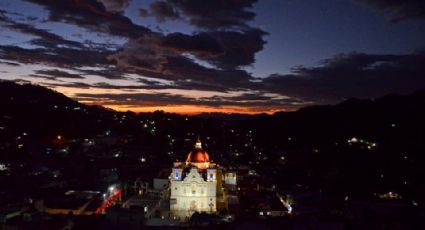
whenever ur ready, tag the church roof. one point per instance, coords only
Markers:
(198, 155)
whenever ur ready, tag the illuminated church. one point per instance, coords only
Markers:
(195, 184)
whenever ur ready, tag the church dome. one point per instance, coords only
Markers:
(198, 156)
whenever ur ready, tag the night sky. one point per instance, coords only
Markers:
(188, 56)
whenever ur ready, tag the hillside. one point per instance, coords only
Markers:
(358, 146)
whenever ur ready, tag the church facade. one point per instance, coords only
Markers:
(194, 184)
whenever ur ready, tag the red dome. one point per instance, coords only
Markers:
(198, 156)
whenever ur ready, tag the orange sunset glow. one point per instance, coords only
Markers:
(192, 109)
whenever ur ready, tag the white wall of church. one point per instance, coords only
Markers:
(193, 194)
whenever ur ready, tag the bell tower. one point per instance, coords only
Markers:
(177, 174)
(211, 174)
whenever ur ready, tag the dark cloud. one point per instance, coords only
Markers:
(146, 58)
(186, 69)
(143, 12)
(167, 99)
(115, 6)
(29, 29)
(9, 63)
(59, 57)
(239, 48)
(93, 15)
(251, 99)
(79, 85)
(59, 74)
(139, 99)
(165, 56)
(163, 10)
(146, 85)
(209, 14)
(51, 78)
(109, 72)
(178, 57)
(398, 10)
(351, 75)
(224, 49)
(105, 85)
(208, 59)
(200, 43)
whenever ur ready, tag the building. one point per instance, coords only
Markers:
(196, 184)
(230, 181)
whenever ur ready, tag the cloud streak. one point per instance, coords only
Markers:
(208, 14)
(99, 16)
(398, 11)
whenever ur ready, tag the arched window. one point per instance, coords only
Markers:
(194, 189)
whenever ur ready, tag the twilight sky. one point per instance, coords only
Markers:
(189, 56)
